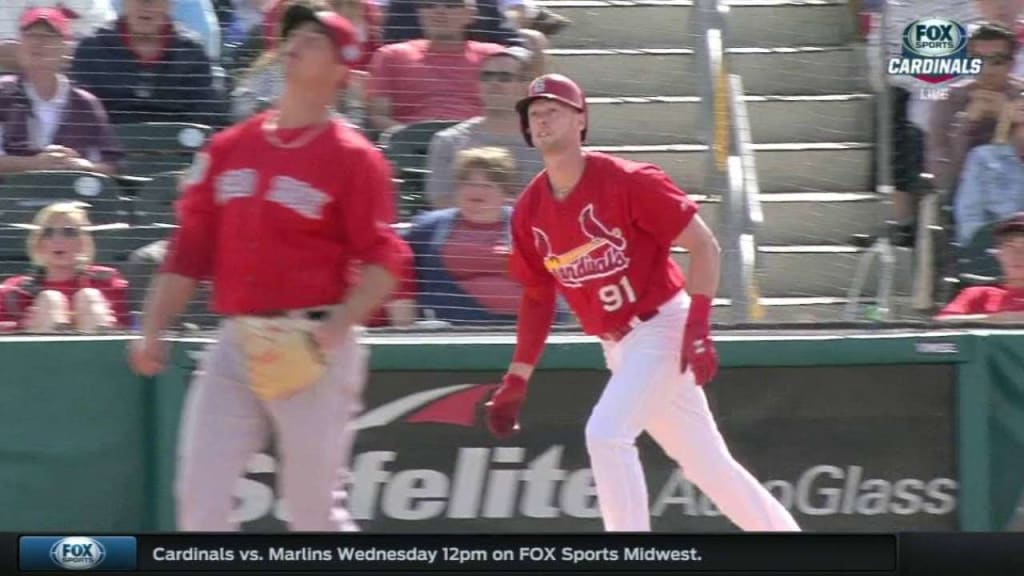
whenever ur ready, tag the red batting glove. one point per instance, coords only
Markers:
(699, 352)
(503, 408)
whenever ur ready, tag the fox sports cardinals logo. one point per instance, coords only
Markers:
(604, 254)
(77, 553)
(935, 51)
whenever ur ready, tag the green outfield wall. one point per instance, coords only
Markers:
(86, 446)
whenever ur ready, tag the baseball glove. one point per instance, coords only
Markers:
(281, 356)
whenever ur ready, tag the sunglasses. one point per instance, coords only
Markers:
(498, 76)
(65, 231)
(997, 59)
(443, 4)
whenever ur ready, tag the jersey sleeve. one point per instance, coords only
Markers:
(969, 302)
(368, 216)
(526, 265)
(657, 205)
(191, 249)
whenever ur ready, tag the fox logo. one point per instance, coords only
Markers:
(603, 255)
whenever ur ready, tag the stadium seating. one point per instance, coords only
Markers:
(976, 263)
(407, 147)
(115, 245)
(154, 203)
(22, 195)
(156, 147)
(811, 113)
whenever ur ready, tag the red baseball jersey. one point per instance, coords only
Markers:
(985, 300)
(607, 245)
(277, 228)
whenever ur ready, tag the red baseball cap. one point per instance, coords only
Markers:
(57, 18)
(1012, 225)
(341, 31)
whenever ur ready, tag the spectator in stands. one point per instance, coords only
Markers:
(973, 107)
(86, 17)
(198, 17)
(992, 185)
(529, 15)
(46, 123)
(487, 24)
(146, 68)
(1005, 13)
(263, 83)
(461, 253)
(503, 81)
(434, 78)
(66, 290)
(246, 18)
(1003, 303)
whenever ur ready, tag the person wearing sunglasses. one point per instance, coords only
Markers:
(973, 107)
(65, 290)
(503, 81)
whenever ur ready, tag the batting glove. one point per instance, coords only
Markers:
(699, 352)
(503, 407)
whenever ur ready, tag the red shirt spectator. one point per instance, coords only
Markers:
(434, 78)
(293, 223)
(986, 300)
(68, 290)
(18, 293)
(997, 303)
(425, 84)
(476, 255)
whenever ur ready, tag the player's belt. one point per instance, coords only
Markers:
(314, 314)
(623, 331)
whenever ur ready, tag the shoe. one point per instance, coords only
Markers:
(903, 234)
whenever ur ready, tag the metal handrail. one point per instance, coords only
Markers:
(730, 170)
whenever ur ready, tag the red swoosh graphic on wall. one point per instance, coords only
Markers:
(458, 409)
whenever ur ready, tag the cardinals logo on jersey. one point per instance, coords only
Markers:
(604, 254)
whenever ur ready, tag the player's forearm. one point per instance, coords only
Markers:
(375, 286)
(705, 265)
(536, 314)
(705, 257)
(168, 296)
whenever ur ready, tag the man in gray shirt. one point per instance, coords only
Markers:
(503, 81)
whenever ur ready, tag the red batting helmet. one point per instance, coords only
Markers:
(552, 87)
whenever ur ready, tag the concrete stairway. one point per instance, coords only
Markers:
(811, 114)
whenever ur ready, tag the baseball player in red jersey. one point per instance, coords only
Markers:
(276, 210)
(599, 230)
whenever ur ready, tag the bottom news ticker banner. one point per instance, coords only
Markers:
(369, 553)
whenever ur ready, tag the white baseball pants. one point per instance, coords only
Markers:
(224, 423)
(647, 392)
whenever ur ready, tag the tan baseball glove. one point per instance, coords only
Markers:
(281, 356)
